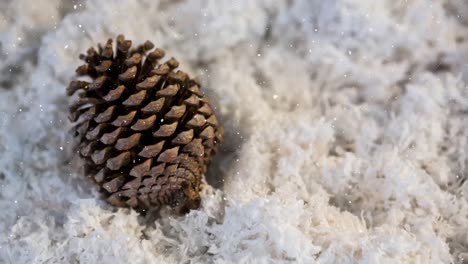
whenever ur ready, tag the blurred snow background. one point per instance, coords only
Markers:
(346, 120)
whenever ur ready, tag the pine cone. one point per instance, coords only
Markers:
(146, 131)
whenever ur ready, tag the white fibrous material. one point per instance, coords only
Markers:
(346, 132)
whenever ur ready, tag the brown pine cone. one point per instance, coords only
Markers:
(146, 131)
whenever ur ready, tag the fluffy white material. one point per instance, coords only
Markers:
(346, 121)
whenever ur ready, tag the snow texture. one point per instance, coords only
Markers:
(346, 132)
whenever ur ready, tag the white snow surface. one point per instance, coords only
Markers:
(346, 132)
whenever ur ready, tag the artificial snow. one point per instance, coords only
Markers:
(346, 132)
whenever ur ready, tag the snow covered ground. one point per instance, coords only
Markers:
(346, 132)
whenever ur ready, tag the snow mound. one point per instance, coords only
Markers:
(346, 132)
